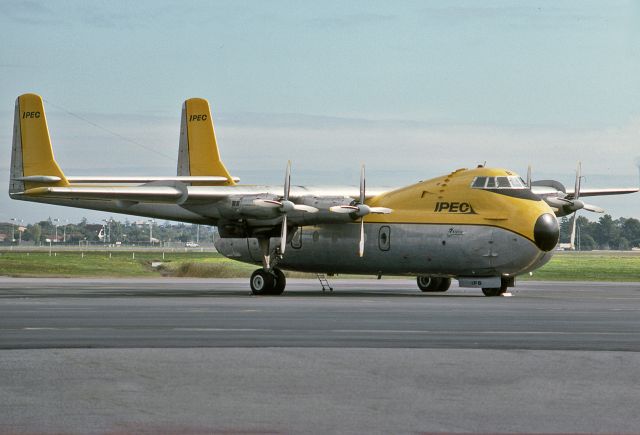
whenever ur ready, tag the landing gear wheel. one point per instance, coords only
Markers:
(281, 282)
(497, 291)
(262, 282)
(445, 283)
(429, 284)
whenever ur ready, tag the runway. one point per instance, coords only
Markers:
(204, 356)
(358, 314)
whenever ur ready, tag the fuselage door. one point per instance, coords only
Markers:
(296, 239)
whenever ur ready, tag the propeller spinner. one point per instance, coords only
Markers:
(360, 209)
(285, 206)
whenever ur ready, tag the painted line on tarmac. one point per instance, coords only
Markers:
(333, 331)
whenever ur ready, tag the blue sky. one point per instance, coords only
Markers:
(412, 89)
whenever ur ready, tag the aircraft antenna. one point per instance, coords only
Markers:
(111, 132)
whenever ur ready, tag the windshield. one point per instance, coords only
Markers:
(512, 182)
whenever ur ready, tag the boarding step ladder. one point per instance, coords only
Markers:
(323, 282)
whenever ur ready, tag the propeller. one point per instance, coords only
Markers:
(285, 206)
(577, 204)
(360, 209)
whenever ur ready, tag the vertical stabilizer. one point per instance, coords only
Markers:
(198, 152)
(32, 160)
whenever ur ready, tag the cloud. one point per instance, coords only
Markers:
(350, 20)
(29, 12)
(329, 150)
(532, 14)
(426, 148)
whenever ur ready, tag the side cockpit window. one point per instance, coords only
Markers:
(517, 183)
(498, 183)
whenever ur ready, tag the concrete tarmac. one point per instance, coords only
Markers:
(203, 356)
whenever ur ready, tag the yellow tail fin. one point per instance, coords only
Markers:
(32, 161)
(198, 152)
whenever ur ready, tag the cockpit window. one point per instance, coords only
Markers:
(503, 182)
(498, 183)
(516, 182)
(479, 182)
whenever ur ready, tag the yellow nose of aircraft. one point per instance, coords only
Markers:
(546, 232)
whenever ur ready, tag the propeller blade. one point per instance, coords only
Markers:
(361, 245)
(283, 235)
(576, 191)
(287, 181)
(529, 176)
(593, 208)
(306, 208)
(267, 203)
(380, 210)
(572, 241)
(343, 209)
(362, 185)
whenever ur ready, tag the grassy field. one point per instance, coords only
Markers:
(124, 264)
(587, 266)
(590, 266)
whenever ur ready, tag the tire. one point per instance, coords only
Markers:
(281, 282)
(262, 282)
(497, 291)
(429, 284)
(445, 283)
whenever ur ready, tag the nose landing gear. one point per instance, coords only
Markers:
(429, 284)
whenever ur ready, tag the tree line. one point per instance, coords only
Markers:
(112, 231)
(606, 233)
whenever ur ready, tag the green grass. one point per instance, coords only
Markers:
(562, 267)
(100, 264)
(590, 266)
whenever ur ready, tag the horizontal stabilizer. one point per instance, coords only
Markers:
(141, 180)
(39, 178)
(157, 194)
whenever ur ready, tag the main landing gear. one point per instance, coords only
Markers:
(265, 282)
(269, 280)
(430, 284)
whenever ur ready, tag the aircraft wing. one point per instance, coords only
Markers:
(179, 193)
(565, 201)
(602, 192)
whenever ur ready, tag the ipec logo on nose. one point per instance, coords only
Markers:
(454, 207)
(26, 115)
(202, 117)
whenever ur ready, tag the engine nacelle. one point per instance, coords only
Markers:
(239, 249)
(323, 204)
(237, 207)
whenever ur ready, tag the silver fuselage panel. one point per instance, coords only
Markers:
(399, 249)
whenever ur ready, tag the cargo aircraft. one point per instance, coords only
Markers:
(481, 226)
